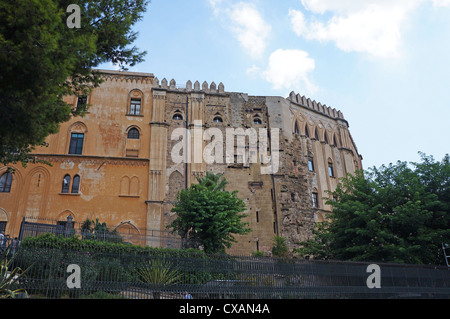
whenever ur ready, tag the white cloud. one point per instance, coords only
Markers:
(344, 7)
(253, 71)
(298, 22)
(289, 69)
(249, 28)
(441, 3)
(372, 26)
(215, 5)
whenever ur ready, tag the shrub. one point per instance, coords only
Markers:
(280, 248)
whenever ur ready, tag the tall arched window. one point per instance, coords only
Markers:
(66, 184)
(135, 103)
(133, 134)
(330, 168)
(311, 164)
(334, 140)
(5, 182)
(306, 130)
(76, 184)
(77, 133)
(316, 134)
(315, 198)
(296, 130)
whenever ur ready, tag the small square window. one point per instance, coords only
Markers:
(82, 103)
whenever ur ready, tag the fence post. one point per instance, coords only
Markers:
(68, 226)
(21, 228)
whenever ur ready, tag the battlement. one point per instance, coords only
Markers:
(316, 106)
(126, 76)
(172, 85)
(148, 78)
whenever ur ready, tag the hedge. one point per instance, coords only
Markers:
(49, 240)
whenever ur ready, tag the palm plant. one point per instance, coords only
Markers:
(9, 279)
(159, 273)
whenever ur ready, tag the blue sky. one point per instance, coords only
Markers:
(384, 63)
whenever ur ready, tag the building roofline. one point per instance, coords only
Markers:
(127, 73)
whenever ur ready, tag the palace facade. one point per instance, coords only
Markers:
(118, 163)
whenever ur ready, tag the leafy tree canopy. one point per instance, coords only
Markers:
(395, 213)
(42, 60)
(209, 215)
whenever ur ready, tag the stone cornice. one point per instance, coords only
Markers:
(91, 159)
(125, 76)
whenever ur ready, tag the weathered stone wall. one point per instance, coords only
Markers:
(131, 184)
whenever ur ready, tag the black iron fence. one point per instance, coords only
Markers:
(89, 272)
(81, 270)
(32, 227)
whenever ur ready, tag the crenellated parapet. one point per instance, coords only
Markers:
(126, 77)
(316, 106)
(204, 87)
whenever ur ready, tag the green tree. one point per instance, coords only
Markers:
(395, 213)
(209, 215)
(280, 247)
(42, 60)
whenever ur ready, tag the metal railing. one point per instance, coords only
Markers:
(169, 274)
(32, 227)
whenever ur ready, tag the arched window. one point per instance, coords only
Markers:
(5, 182)
(316, 134)
(133, 134)
(135, 103)
(296, 130)
(76, 184)
(334, 140)
(306, 130)
(218, 119)
(315, 199)
(177, 116)
(257, 120)
(77, 134)
(311, 164)
(66, 184)
(330, 168)
(326, 137)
